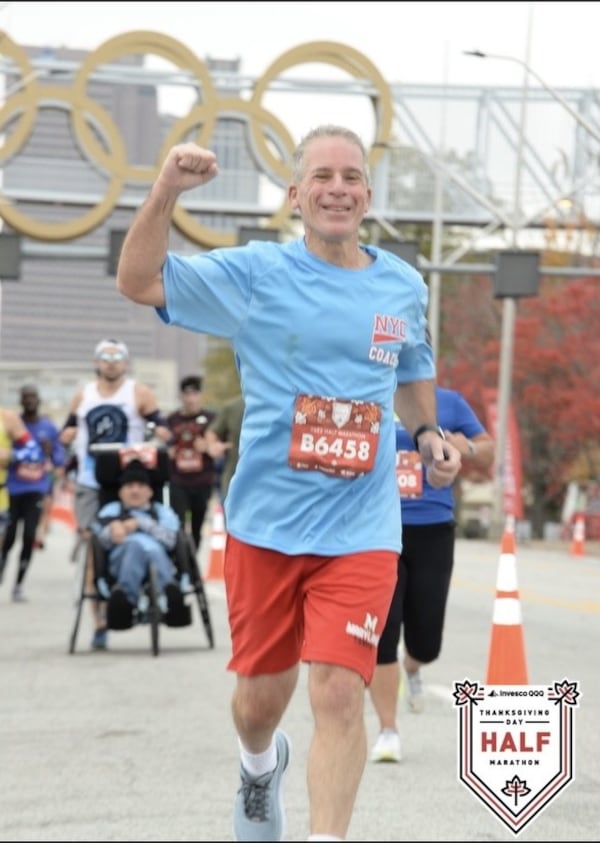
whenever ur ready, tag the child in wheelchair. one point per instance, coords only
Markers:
(135, 531)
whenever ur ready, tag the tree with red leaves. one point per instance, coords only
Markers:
(555, 378)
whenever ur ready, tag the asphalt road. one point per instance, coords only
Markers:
(123, 745)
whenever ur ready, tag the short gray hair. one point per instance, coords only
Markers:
(328, 130)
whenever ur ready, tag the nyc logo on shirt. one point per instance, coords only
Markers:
(386, 329)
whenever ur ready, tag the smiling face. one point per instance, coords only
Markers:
(332, 193)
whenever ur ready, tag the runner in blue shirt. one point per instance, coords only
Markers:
(424, 567)
(328, 333)
(29, 482)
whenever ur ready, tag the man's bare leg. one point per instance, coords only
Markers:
(338, 750)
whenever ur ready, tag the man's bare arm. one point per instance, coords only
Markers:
(14, 425)
(215, 447)
(147, 406)
(139, 274)
(69, 429)
(416, 404)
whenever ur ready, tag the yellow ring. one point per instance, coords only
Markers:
(19, 135)
(114, 161)
(346, 58)
(136, 42)
(83, 224)
(227, 106)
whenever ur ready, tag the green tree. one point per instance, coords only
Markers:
(221, 380)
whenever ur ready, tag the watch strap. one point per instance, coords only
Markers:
(434, 428)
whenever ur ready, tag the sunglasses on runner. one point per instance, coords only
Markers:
(111, 357)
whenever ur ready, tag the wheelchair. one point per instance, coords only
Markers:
(91, 559)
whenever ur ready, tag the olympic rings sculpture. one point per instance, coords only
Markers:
(91, 124)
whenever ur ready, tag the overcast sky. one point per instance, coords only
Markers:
(408, 42)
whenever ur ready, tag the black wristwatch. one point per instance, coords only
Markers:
(434, 428)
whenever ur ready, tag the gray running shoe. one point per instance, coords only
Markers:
(18, 595)
(258, 812)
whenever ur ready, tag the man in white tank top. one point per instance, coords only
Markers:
(112, 408)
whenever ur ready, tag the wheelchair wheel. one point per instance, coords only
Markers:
(81, 558)
(187, 562)
(154, 613)
(201, 599)
(204, 611)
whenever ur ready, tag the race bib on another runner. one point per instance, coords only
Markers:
(30, 472)
(145, 452)
(333, 435)
(409, 474)
(188, 460)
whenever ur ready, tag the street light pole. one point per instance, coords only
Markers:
(553, 93)
(438, 228)
(508, 316)
(509, 309)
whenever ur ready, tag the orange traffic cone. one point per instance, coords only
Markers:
(507, 544)
(578, 543)
(506, 658)
(63, 508)
(216, 556)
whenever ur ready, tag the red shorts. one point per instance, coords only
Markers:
(286, 609)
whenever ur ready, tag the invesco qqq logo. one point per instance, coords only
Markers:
(102, 146)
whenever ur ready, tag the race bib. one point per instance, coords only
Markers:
(409, 474)
(188, 459)
(336, 436)
(145, 452)
(185, 457)
(31, 472)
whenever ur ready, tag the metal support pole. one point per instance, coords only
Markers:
(508, 321)
(437, 230)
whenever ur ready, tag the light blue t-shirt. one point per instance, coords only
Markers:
(302, 327)
(157, 525)
(436, 506)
